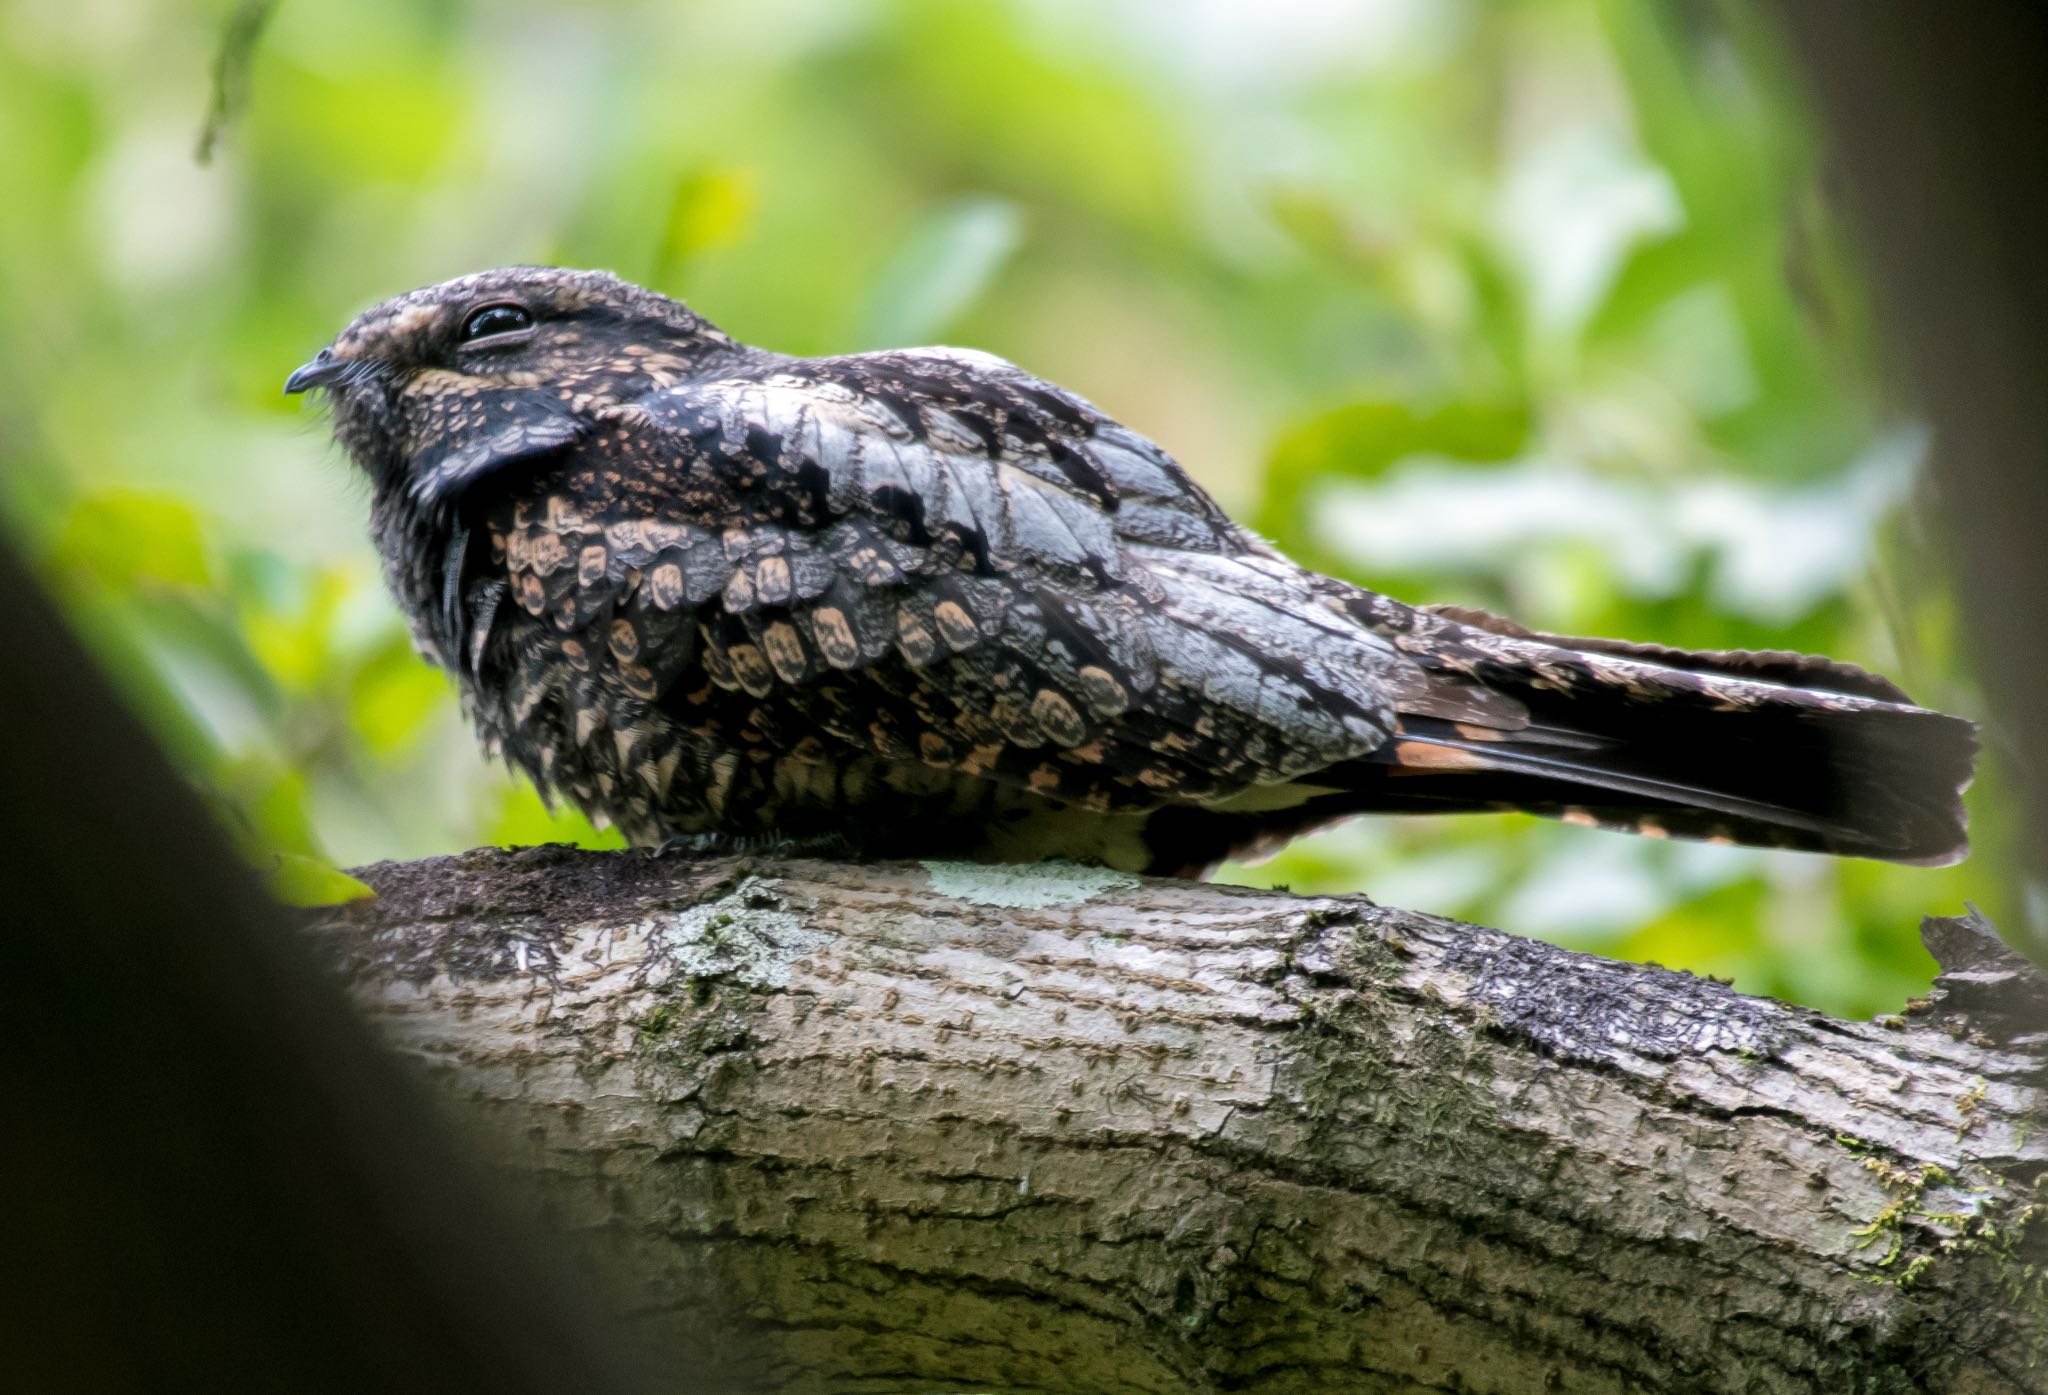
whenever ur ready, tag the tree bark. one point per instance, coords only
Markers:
(935, 1126)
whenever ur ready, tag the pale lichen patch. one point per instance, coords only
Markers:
(1032, 887)
(746, 935)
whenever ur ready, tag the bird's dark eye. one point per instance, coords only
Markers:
(494, 320)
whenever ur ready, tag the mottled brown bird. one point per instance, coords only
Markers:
(922, 603)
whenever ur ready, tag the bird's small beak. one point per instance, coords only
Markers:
(321, 370)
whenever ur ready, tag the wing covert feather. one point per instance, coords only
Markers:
(929, 555)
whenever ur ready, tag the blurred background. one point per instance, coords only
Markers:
(1537, 305)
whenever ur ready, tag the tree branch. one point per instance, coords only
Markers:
(1057, 1129)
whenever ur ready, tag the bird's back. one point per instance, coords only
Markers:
(921, 601)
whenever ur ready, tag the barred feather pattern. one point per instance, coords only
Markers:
(921, 602)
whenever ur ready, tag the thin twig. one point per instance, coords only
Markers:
(231, 72)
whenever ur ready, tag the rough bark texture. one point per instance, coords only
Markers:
(908, 1127)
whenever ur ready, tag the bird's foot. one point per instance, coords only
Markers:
(823, 845)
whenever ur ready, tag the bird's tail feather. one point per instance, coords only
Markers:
(1775, 750)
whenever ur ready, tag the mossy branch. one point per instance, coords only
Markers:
(933, 1126)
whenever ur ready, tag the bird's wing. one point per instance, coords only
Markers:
(932, 556)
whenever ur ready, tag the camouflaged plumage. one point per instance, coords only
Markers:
(921, 602)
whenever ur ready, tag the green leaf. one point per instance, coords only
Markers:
(1363, 439)
(127, 537)
(941, 269)
(523, 820)
(1321, 225)
(709, 208)
(394, 697)
(298, 880)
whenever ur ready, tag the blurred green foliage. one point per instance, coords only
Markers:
(1531, 305)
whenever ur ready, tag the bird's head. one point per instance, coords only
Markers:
(435, 388)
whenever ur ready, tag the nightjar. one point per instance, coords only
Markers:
(920, 602)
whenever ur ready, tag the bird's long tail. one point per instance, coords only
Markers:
(1776, 750)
